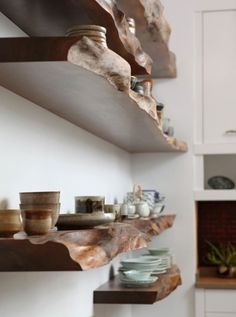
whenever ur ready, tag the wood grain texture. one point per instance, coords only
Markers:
(113, 292)
(29, 66)
(153, 226)
(54, 19)
(78, 249)
(153, 31)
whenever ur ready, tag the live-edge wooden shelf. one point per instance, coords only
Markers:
(113, 292)
(86, 84)
(79, 249)
(42, 18)
(153, 31)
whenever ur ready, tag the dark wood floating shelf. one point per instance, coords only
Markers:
(113, 292)
(153, 32)
(52, 18)
(79, 249)
(215, 282)
(86, 84)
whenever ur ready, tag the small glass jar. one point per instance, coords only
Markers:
(131, 23)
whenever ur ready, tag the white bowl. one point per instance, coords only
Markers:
(136, 275)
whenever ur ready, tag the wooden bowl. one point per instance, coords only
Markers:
(37, 222)
(10, 222)
(40, 198)
(55, 208)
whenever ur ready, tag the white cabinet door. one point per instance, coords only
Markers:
(220, 301)
(219, 76)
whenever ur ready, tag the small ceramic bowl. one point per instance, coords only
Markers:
(10, 222)
(136, 275)
(40, 197)
(161, 251)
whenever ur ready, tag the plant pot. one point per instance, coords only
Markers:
(226, 271)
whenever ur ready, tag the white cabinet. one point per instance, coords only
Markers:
(219, 76)
(221, 301)
(215, 303)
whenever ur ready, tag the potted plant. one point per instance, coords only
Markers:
(224, 257)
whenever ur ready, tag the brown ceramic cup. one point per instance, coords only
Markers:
(54, 207)
(36, 198)
(37, 222)
(10, 222)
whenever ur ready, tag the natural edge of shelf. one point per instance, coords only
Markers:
(79, 249)
(84, 55)
(55, 21)
(153, 31)
(113, 292)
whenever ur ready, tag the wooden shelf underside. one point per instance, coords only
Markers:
(113, 292)
(79, 249)
(52, 18)
(87, 85)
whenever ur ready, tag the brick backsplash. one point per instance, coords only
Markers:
(216, 222)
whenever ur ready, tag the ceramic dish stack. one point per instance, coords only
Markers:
(96, 33)
(137, 272)
(164, 255)
(41, 201)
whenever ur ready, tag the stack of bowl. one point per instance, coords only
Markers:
(136, 272)
(96, 33)
(41, 202)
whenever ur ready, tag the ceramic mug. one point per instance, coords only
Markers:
(89, 204)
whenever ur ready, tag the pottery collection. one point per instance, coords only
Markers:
(39, 212)
(143, 271)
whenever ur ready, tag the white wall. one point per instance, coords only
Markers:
(40, 151)
(67, 158)
(172, 173)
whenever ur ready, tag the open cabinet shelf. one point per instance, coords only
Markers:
(113, 292)
(76, 250)
(86, 84)
(207, 278)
